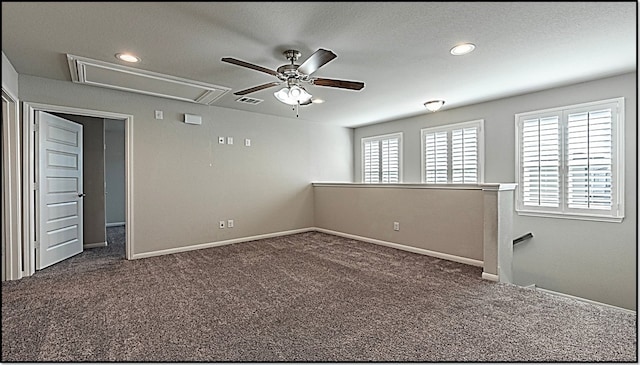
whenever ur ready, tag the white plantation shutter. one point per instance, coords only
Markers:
(371, 166)
(464, 155)
(453, 153)
(540, 161)
(381, 159)
(436, 161)
(589, 160)
(568, 161)
(390, 160)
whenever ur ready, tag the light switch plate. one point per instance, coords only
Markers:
(159, 114)
(247, 142)
(229, 140)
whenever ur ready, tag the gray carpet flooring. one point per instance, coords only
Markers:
(308, 297)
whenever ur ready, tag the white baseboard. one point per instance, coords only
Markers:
(115, 224)
(219, 243)
(94, 245)
(440, 255)
(422, 251)
(491, 277)
(551, 292)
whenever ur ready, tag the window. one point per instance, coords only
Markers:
(381, 158)
(569, 161)
(453, 153)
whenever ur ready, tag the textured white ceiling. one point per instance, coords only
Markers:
(400, 50)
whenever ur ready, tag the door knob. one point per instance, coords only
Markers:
(81, 195)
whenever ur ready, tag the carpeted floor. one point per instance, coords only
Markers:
(301, 298)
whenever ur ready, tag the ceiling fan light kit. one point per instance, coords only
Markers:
(295, 75)
(293, 95)
(434, 105)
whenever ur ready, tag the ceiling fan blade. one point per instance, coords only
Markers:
(249, 65)
(343, 84)
(318, 59)
(306, 102)
(257, 88)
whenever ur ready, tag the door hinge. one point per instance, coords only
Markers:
(36, 186)
(36, 126)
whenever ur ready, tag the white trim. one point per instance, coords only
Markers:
(128, 176)
(29, 144)
(440, 255)
(490, 277)
(422, 251)
(219, 243)
(11, 188)
(94, 245)
(487, 187)
(586, 217)
(208, 95)
(551, 292)
(116, 224)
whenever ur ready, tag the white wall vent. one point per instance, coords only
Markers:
(98, 73)
(248, 100)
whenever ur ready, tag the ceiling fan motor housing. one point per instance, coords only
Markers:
(292, 55)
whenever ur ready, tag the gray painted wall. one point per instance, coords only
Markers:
(115, 169)
(185, 182)
(593, 260)
(424, 216)
(93, 177)
(9, 76)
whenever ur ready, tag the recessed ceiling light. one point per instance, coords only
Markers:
(127, 57)
(463, 48)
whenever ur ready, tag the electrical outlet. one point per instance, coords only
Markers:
(221, 224)
(221, 140)
(396, 226)
(159, 114)
(230, 223)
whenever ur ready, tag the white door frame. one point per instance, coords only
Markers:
(11, 189)
(29, 144)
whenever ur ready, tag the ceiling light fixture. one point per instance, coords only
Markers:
(462, 49)
(317, 101)
(293, 95)
(434, 105)
(127, 57)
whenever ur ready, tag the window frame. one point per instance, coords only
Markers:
(381, 137)
(616, 214)
(449, 128)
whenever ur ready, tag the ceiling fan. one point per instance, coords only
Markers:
(293, 76)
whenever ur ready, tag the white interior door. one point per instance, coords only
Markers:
(59, 228)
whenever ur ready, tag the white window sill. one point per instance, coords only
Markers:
(584, 217)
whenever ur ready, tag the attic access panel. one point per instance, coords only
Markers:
(98, 73)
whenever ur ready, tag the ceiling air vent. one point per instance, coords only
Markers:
(248, 100)
(114, 76)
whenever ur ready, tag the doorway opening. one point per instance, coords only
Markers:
(118, 128)
(103, 184)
